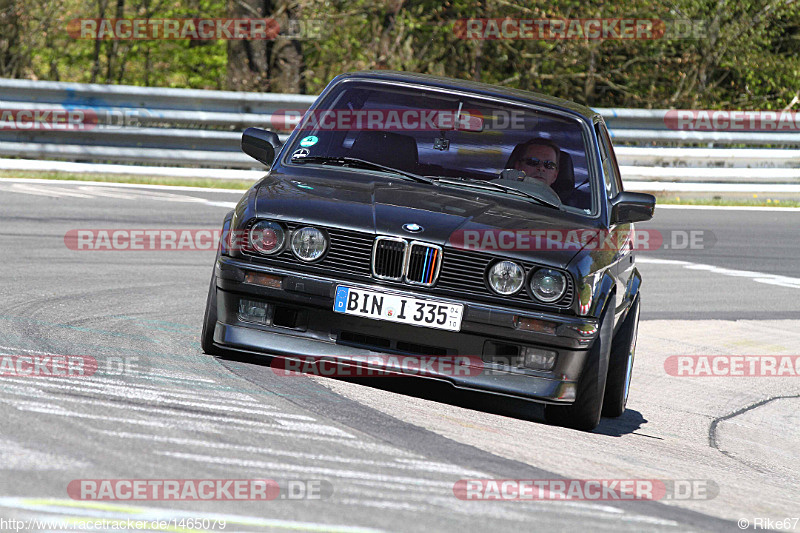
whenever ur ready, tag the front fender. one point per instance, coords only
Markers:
(594, 291)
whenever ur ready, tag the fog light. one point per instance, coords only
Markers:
(539, 326)
(253, 311)
(538, 359)
(265, 280)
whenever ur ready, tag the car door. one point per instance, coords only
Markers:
(623, 233)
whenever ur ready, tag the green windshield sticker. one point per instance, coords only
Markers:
(309, 141)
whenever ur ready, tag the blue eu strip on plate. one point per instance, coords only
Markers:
(341, 299)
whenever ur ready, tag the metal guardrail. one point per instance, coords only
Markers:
(129, 96)
(180, 127)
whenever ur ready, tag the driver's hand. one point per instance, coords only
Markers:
(513, 174)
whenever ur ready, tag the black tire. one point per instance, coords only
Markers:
(620, 363)
(210, 320)
(584, 413)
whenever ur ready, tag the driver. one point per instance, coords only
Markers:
(537, 158)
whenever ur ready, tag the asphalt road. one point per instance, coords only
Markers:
(386, 452)
(737, 264)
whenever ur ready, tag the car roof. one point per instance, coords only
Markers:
(481, 88)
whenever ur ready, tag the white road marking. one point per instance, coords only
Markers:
(36, 407)
(106, 384)
(486, 508)
(123, 185)
(681, 186)
(351, 443)
(280, 422)
(385, 504)
(49, 410)
(391, 483)
(109, 193)
(25, 350)
(14, 456)
(124, 191)
(227, 205)
(400, 463)
(730, 207)
(760, 277)
(122, 389)
(41, 191)
(166, 403)
(413, 481)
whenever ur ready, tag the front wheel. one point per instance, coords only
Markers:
(620, 364)
(584, 413)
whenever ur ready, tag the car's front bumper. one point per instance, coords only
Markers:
(315, 331)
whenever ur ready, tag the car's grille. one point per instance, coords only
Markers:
(388, 258)
(424, 261)
(461, 273)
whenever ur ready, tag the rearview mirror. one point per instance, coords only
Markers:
(260, 144)
(632, 207)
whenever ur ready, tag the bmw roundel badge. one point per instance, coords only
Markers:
(413, 228)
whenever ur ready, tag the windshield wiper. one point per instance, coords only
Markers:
(490, 185)
(360, 163)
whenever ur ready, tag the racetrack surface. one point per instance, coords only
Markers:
(391, 450)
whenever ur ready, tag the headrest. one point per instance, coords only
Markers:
(565, 181)
(386, 148)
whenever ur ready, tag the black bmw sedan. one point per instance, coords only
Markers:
(416, 218)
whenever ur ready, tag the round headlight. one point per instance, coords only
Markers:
(548, 285)
(506, 277)
(308, 244)
(267, 237)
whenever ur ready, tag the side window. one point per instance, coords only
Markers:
(610, 165)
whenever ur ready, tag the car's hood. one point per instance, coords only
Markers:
(446, 214)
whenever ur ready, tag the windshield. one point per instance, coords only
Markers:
(436, 134)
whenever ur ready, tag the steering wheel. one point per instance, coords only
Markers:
(519, 180)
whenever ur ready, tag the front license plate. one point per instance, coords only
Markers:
(393, 308)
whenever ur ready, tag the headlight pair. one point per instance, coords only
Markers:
(269, 238)
(547, 285)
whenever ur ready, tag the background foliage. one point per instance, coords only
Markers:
(747, 57)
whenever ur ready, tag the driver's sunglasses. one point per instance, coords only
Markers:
(534, 162)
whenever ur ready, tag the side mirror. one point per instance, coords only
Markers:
(260, 144)
(632, 207)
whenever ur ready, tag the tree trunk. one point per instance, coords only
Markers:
(113, 50)
(101, 13)
(14, 59)
(266, 65)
